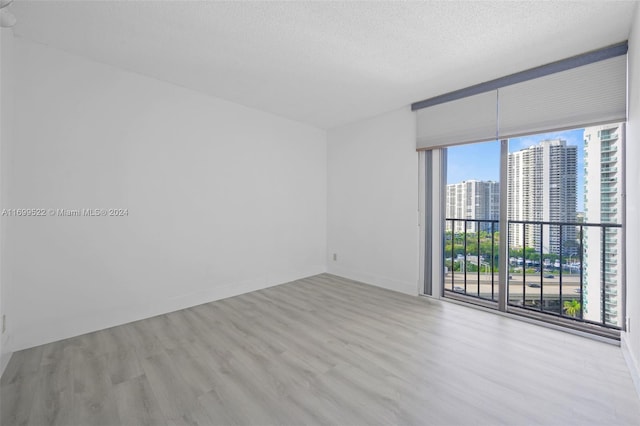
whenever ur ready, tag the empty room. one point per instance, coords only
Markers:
(319, 212)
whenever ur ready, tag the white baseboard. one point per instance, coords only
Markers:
(632, 362)
(4, 361)
(409, 288)
(30, 335)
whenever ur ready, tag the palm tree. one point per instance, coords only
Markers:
(572, 307)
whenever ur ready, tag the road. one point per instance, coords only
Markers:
(550, 286)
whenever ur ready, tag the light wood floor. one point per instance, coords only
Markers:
(322, 350)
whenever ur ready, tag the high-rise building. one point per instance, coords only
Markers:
(473, 199)
(602, 204)
(542, 182)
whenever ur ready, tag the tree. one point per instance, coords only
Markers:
(572, 307)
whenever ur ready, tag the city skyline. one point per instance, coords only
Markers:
(485, 164)
(544, 179)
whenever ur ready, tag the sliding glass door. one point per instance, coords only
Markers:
(565, 216)
(537, 220)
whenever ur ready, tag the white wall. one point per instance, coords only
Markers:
(631, 339)
(373, 201)
(222, 199)
(6, 110)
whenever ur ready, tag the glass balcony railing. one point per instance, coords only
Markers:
(609, 137)
(610, 300)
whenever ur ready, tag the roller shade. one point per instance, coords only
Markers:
(470, 119)
(585, 90)
(587, 95)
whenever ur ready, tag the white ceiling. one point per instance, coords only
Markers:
(324, 63)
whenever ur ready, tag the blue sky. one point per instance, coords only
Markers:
(481, 161)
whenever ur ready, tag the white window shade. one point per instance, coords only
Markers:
(469, 119)
(582, 96)
(583, 90)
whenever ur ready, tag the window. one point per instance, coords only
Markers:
(559, 206)
(564, 224)
(563, 208)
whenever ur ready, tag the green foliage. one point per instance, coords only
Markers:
(455, 245)
(572, 307)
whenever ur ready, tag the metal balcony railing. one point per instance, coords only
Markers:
(471, 262)
(547, 267)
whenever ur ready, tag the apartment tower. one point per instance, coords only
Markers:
(602, 204)
(473, 199)
(542, 182)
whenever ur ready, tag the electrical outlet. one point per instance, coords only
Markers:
(335, 256)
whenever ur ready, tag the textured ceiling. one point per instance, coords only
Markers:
(324, 63)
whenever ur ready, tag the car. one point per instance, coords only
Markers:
(549, 276)
(534, 285)
(458, 289)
